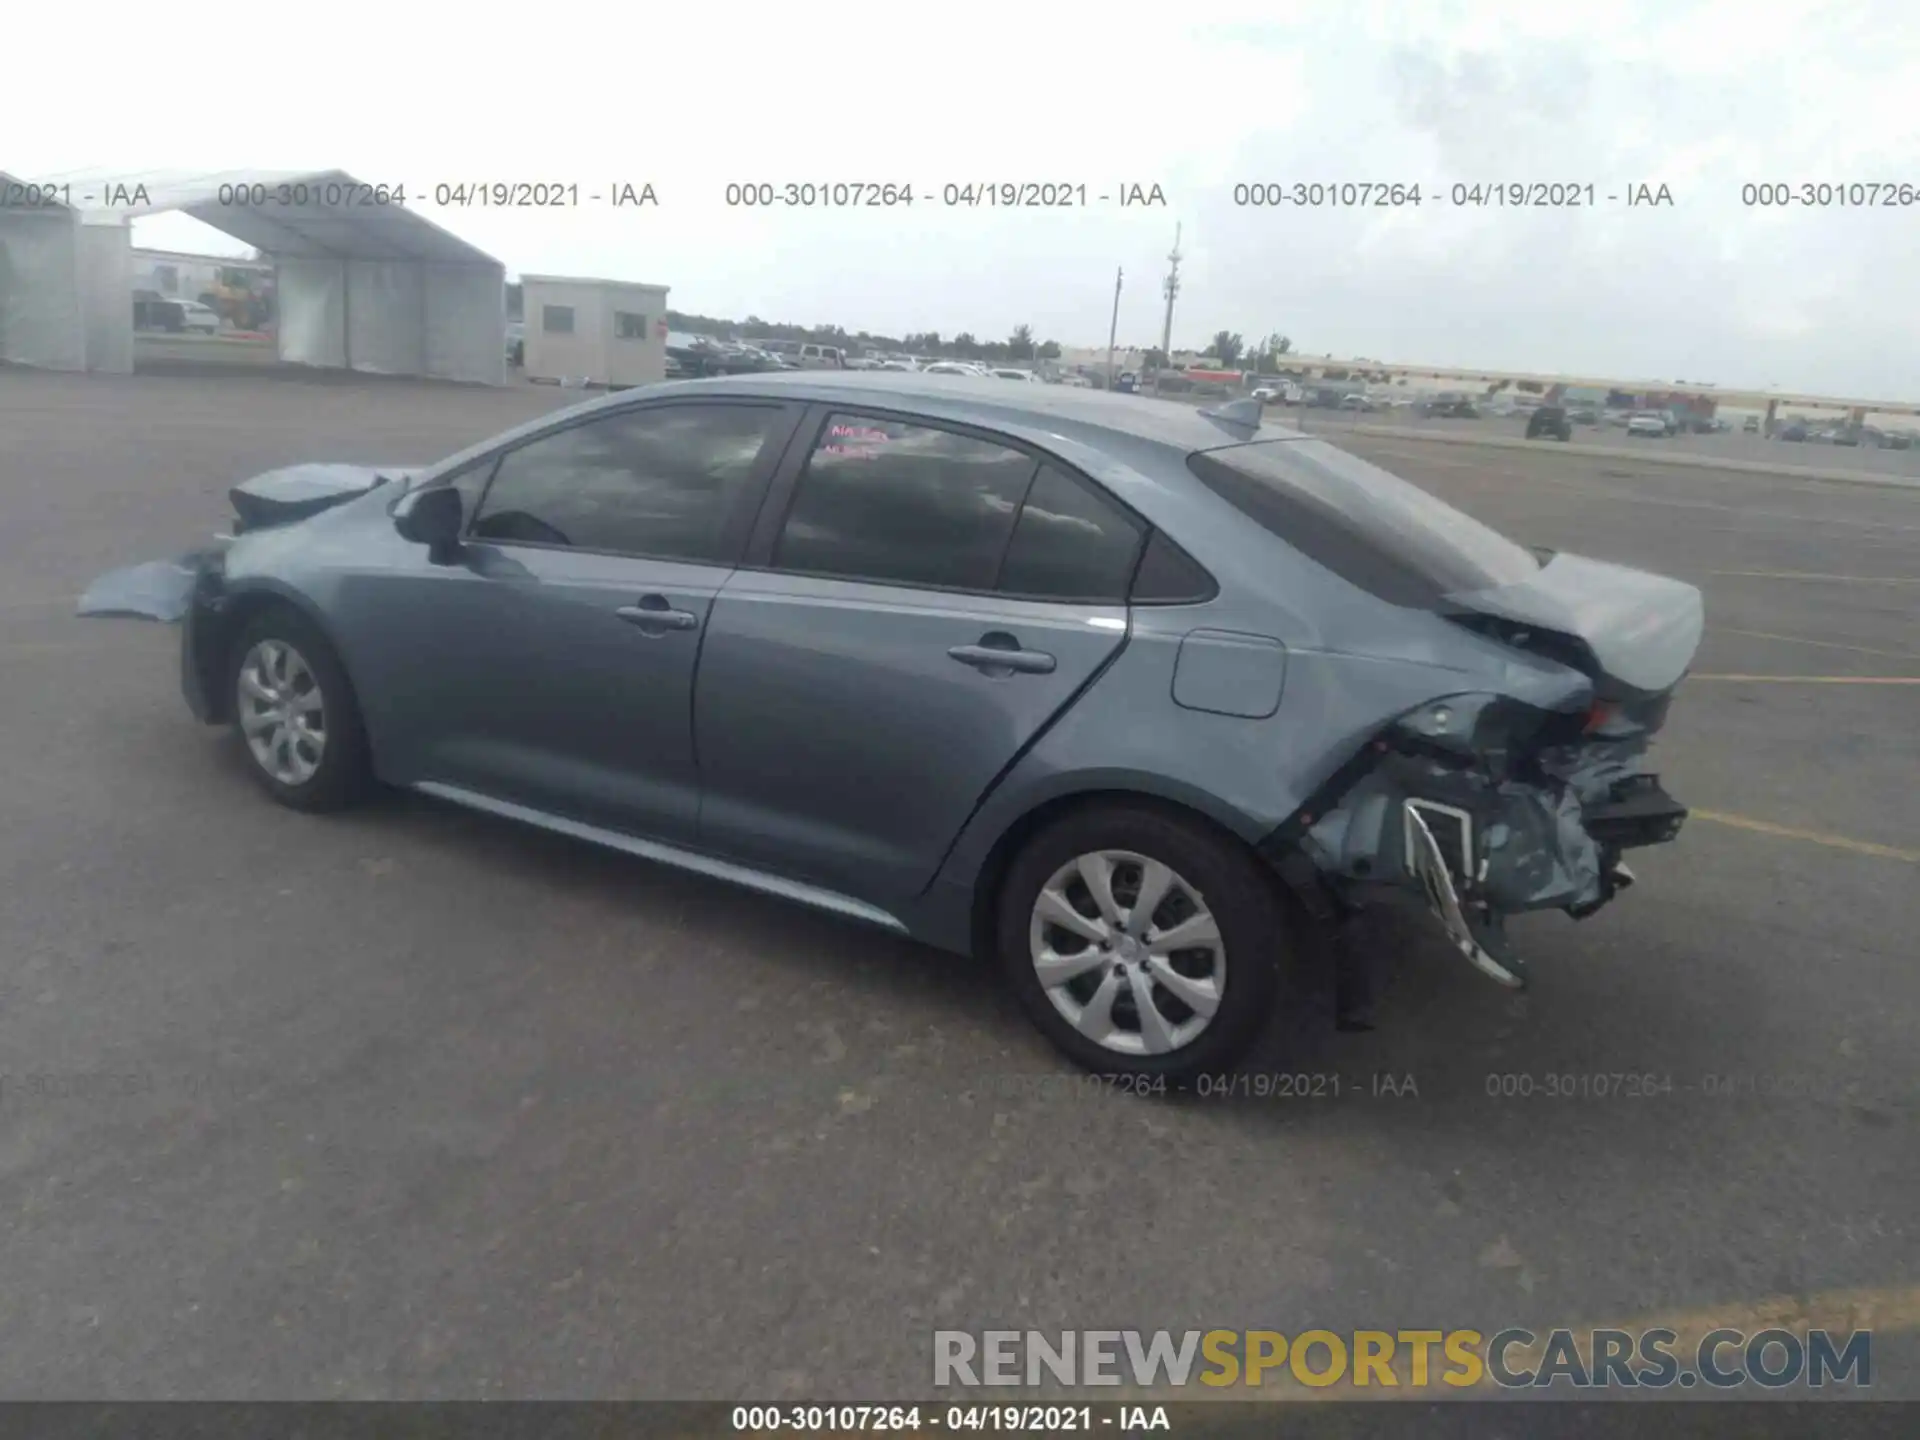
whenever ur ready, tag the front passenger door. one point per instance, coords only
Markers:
(552, 666)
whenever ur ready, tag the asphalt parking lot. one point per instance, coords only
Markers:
(1736, 446)
(411, 1102)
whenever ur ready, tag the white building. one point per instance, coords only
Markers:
(601, 332)
(182, 275)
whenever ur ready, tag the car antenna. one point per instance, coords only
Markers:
(1237, 416)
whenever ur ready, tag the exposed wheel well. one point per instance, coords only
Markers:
(240, 611)
(986, 890)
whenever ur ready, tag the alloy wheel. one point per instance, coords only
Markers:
(1128, 953)
(282, 712)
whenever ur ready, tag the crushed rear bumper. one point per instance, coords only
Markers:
(1475, 845)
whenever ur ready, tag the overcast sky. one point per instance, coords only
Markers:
(1702, 97)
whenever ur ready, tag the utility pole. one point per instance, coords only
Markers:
(1170, 289)
(1113, 332)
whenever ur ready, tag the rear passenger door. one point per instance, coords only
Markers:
(918, 602)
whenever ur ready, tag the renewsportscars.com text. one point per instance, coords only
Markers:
(1512, 1358)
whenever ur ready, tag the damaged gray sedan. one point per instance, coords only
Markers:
(1127, 695)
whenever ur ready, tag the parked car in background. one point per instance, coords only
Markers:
(1284, 393)
(1356, 402)
(1583, 415)
(692, 356)
(953, 367)
(1793, 430)
(1751, 425)
(1032, 643)
(1649, 422)
(1450, 407)
(1009, 372)
(173, 316)
(821, 357)
(751, 359)
(197, 318)
(1551, 421)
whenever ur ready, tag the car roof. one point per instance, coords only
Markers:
(1087, 415)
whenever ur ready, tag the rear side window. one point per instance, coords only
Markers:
(1385, 535)
(888, 501)
(1169, 576)
(1070, 544)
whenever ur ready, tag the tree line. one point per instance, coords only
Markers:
(1228, 347)
(1020, 345)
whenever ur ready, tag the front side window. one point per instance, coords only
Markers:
(627, 326)
(898, 503)
(668, 482)
(556, 319)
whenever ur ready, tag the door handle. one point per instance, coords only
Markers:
(1004, 659)
(655, 615)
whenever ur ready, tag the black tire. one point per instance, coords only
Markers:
(1255, 929)
(344, 773)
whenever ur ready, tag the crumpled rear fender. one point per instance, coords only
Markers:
(1528, 806)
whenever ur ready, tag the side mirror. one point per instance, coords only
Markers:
(433, 518)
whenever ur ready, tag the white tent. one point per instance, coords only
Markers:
(42, 320)
(362, 282)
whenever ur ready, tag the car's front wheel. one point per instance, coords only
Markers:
(1142, 943)
(296, 714)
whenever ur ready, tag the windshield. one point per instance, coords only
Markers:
(1385, 535)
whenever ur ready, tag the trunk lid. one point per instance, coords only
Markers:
(1633, 633)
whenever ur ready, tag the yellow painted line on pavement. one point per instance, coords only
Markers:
(1811, 837)
(1817, 679)
(1804, 575)
(1822, 644)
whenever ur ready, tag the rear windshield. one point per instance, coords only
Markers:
(1370, 527)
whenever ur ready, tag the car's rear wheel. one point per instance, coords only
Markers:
(1142, 943)
(295, 713)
